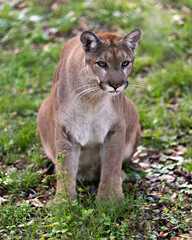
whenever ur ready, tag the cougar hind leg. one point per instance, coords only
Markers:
(45, 129)
(133, 131)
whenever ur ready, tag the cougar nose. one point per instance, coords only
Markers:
(116, 85)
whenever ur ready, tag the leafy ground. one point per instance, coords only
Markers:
(158, 188)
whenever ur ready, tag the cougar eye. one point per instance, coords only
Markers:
(102, 64)
(125, 64)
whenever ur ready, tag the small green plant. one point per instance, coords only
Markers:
(63, 178)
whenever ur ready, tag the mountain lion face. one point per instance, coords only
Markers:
(111, 58)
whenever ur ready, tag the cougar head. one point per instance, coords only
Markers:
(111, 57)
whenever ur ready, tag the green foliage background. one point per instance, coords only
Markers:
(32, 34)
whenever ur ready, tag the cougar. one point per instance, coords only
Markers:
(88, 115)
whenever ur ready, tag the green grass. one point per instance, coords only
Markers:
(63, 221)
(32, 34)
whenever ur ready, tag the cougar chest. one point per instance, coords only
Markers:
(91, 125)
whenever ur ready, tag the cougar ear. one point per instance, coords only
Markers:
(89, 41)
(132, 38)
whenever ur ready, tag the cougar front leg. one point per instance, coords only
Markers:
(111, 164)
(68, 153)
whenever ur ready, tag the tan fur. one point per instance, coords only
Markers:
(88, 114)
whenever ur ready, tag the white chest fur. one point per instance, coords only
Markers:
(90, 125)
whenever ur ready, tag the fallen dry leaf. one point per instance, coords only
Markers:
(163, 234)
(155, 193)
(168, 178)
(175, 158)
(144, 165)
(180, 151)
(185, 9)
(136, 154)
(42, 170)
(173, 196)
(35, 202)
(21, 5)
(3, 200)
(186, 236)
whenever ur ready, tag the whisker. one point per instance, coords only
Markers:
(86, 93)
(137, 86)
(82, 93)
(97, 94)
(87, 85)
(81, 87)
(131, 89)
